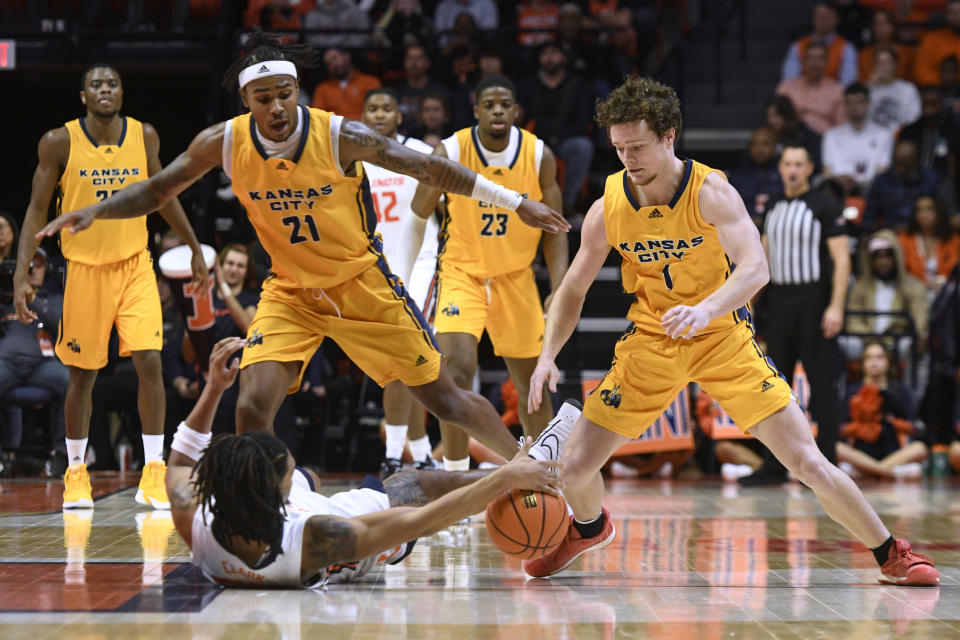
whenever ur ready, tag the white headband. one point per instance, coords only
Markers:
(268, 68)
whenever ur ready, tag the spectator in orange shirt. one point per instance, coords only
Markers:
(884, 34)
(343, 91)
(938, 45)
(931, 249)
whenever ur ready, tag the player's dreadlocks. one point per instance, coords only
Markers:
(262, 47)
(237, 481)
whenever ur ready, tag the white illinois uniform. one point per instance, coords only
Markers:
(392, 196)
(282, 570)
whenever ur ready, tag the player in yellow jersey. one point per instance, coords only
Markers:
(679, 228)
(485, 278)
(299, 175)
(109, 279)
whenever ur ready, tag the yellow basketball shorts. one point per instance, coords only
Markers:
(97, 297)
(370, 316)
(649, 370)
(507, 306)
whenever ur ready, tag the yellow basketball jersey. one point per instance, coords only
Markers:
(93, 173)
(317, 224)
(479, 238)
(670, 255)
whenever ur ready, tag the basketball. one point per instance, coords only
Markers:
(527, 524)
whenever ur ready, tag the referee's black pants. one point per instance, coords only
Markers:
(792, 332)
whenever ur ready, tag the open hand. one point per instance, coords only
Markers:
(540, 216)
(74, 221)
(23, 295)
(684, 322)
(220, 377)
(523, 472)
(546, 371)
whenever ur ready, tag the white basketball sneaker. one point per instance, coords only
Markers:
(549, 445)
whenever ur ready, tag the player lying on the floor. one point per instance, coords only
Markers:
(252, 519)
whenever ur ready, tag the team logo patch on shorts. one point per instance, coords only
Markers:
(451, 310)
(74, 345)
(255, 339)
(611, 397)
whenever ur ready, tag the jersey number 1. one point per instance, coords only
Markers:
(667, 279)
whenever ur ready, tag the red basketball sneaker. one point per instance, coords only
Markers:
(572, 547)
(908, 568)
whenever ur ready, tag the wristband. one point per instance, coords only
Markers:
(189, 442)
(486, 190)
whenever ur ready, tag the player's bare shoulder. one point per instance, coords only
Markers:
(718, 200)
(54, 146)
(208, 144)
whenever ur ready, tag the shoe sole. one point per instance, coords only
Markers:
(600, 545)
(920, 577)
(82, 503)
(150, 502)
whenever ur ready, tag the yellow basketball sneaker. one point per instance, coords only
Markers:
(152, 490)
(76, 488)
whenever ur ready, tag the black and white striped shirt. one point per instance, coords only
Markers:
(797, 230)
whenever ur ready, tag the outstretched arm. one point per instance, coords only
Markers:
(52, 153)
(567, 303)
(723, 207)
(146, 196)
(183, 500)
(172, 212)
(328, 540)
(426, 198)
(358, 142)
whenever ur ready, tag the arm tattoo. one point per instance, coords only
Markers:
(327, 541)
(405, 489)
(182, 496)
(434, 171)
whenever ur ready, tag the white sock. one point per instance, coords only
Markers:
(76, 450)
(462, 464)
(420, 449)
(396, 438)
(152, 448)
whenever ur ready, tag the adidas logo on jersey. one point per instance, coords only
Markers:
(766, 386)
(498, 172)
(263, 69)
(655, 214)
(281, 165)
(109, 150)
(421, 360)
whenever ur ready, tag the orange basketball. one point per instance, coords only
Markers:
(527, 524)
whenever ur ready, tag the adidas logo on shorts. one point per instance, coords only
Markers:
(421, 360)
(655, 214)
(766, 386)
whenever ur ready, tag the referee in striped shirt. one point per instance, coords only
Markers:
(805, 236)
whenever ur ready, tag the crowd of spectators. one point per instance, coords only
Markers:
(880, 129)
